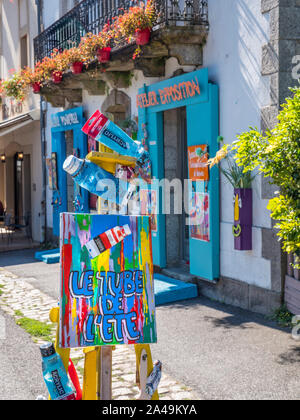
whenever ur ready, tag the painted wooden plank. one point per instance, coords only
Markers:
(292, 299)
(292, 295)
(292, 283)
(89, 376)
(105, 373)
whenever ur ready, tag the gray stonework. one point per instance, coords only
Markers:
(277, 58)
(240, 294)
(277, 55)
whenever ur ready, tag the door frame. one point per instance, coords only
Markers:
(202, 110)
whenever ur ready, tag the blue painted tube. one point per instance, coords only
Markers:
(96, 180)
(101, 129)
(55, 375)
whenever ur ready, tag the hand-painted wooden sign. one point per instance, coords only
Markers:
(174, 92)
(242, 228)
(107, 286)
(198, 169)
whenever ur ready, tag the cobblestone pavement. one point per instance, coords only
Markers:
(20, 299)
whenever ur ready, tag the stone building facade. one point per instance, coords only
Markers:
(247, 50)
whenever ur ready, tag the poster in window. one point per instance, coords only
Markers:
(199, 216)
(52, 172)
(197, 157)
(148, 200)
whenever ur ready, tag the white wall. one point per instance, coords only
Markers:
(233, 57)
(15, 24)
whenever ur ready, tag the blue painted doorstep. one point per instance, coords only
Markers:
(169, 290)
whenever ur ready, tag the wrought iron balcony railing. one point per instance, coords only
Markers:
(92, 15)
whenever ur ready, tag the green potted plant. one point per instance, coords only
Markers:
(75, 59)
(241, 181)
(136, 24)
(97, 45)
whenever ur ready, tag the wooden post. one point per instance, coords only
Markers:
(104, 373)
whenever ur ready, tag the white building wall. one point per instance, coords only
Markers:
(15, 24)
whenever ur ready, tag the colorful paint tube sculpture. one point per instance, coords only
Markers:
(97, 181)
(154, 379)
(242, 228)
(101, 129)
(55, 375)
(107, 240)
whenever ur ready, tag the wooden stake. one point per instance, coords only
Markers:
(104, 373)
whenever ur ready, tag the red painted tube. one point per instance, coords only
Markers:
(75, 380)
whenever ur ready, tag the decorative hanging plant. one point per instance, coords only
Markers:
(57, 77)
(241, 180)
(142, 36)
(16, 86)
(75, 59)
(136, 25)
(97, 45)
(103, 54)
(36, 87)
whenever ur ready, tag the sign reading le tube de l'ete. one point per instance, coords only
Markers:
(107, 284)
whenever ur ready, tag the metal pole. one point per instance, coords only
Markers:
(43, 137)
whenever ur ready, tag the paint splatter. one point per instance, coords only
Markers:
(108, 300)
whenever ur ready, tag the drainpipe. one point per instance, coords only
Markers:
(43, 136)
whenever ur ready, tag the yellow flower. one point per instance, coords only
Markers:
(221, 154)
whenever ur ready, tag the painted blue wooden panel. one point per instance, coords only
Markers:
(203, 128)
(59, 147)
(71, 119)
(201, 76)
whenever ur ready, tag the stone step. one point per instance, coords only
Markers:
(179, 273)
(169, 290)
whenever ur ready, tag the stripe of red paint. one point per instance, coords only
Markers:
(106, 241)
(82, 318)
(122, 259)
(66, 269)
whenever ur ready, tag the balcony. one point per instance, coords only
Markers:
(180, 31)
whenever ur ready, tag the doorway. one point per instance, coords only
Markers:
(22, 189)
(176, 167)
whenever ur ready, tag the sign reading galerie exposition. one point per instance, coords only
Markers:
(107, 284)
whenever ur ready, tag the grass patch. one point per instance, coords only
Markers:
(283, 317)
(35, 328)
(18, 313)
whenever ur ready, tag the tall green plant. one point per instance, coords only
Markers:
(277, 155)
(236, 175)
